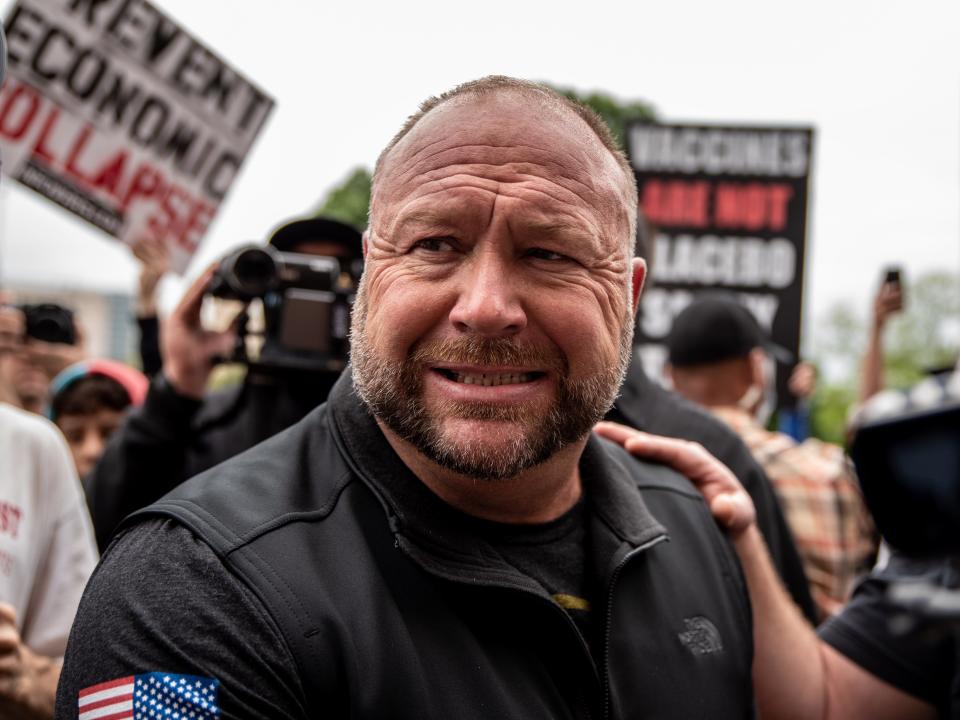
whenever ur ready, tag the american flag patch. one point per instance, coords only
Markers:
(151, 696)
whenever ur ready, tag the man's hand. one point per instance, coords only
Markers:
(154, 257)
(729, 503)
(190, 352)
(803, 380)
(28, 682)
(889, 300)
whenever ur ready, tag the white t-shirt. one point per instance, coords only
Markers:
(47, 546)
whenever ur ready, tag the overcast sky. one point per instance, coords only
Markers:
(879, 81)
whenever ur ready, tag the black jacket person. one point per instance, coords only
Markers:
(444, 537)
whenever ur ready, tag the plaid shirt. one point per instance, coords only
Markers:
(820, 497)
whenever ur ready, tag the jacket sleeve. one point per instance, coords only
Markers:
(162, 608)
(144, 460)
(150, 359)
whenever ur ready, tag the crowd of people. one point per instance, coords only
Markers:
(440, 527)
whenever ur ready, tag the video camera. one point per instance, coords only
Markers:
(306, 304)
(908, 461)
(907, 455)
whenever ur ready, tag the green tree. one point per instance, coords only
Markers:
(615, 113)
(350, 200)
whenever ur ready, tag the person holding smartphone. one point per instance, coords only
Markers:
(887, 302)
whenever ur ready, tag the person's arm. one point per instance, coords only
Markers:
(154, 260)
(28, 680)
(161, 601)
(796, 676)
(147, 456)
(889, 300)
(31, 648)
(67, 552)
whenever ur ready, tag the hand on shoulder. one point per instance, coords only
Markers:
(729, 503)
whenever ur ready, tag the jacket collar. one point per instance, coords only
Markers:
(433, 533)
(635, 392)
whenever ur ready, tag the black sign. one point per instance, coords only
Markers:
(729, 205)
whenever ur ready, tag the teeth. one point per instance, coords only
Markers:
(488, 380)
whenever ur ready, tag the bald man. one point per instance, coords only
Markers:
(444, 538)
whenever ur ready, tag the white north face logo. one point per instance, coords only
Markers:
(701, 636)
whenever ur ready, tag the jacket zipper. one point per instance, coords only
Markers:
(609, 618)
(583, 644)
(401, 543)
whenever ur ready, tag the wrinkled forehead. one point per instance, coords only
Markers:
(522, 130)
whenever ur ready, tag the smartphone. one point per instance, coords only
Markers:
(892, 275)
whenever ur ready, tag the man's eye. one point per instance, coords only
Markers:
(433, 245)
(542, 254)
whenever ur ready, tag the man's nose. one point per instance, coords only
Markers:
(489, 300)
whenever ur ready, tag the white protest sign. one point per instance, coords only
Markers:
(117, 114)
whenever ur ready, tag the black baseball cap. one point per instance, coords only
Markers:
(287, 237)
(714, 328)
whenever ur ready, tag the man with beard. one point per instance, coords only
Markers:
(444, 537)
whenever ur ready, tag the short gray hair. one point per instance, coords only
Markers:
(495, 84)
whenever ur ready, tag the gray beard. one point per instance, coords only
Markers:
(393, 391)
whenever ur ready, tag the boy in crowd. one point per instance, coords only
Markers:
(88, 402)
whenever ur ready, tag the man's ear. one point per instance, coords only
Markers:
(639, 275)
(757, 360)
(366, 236)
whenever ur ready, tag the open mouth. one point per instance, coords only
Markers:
(489, 379)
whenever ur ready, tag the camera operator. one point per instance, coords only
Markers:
(51, 341)
(181, 429)
(892, 652)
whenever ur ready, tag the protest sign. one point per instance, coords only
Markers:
(117, 114)
(729, 208)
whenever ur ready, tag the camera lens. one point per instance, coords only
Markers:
(252, 273)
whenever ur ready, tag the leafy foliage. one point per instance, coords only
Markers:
(614, 112)
(828, 412)
(350, 200)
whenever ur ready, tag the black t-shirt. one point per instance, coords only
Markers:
(555, 554)
(925, 661)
